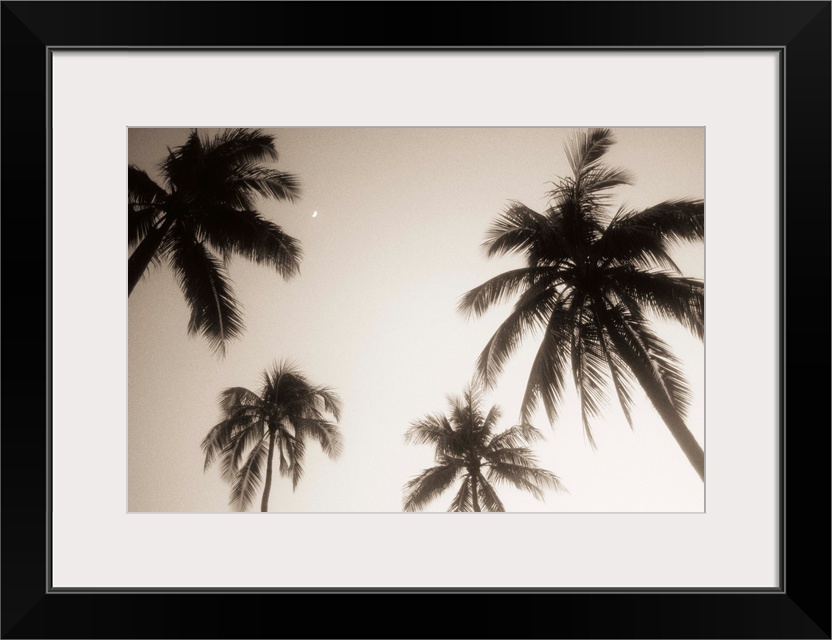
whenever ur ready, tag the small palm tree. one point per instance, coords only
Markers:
(204, 213)
(287, 412)
(467, 447)
(590, 281)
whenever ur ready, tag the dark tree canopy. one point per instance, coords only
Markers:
(280, 419)
(590, 282)
(205, 212)
(467, 447)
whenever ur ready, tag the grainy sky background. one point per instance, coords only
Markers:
(401, 217)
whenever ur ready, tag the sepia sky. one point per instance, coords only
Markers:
(401, 215)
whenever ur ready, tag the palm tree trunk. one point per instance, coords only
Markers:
(143, 254)
(264, 503)
(474, 496)
(661, 401)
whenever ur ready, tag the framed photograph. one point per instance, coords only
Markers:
(332, 233)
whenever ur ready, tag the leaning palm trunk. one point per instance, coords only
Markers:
(661, 401)
(267, 489)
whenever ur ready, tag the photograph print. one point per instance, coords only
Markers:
(413, 320)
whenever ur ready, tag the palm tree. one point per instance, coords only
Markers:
(288, 411)
(467, 447)
(589, 283)
(207, 207)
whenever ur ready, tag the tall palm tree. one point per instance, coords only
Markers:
(288, 411)
(467, 447)
(204, 213)
(590, 281)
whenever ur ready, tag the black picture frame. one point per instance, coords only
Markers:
(799, 608)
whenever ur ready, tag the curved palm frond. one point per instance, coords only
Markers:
(251, 180)
(325, 432)
(435, 430)
(249, 235)
(146, 203)
(463, 500)
(242, 146)
(546, 378)
(670, 296)
(499, 288)
(489, 500)
(204, 281)
(531, 312)
(234, 398)
(648, 355)
(524, 231)
(619, 373)
(142, 190)
(220, 436)
(588, 370)
(645, 238)
(237, 447)
(527, 478)
(585, 150)
(248, 478)
(428, 485)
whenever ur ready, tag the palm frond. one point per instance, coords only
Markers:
(489, 501)
(621, 377)
(546, 378)
(491, 418)
(644, 238)
(463, 500)
(532, 311)
(586, 148)
(465, 413)
(326, 401)
(237, 447)
(527, 477)
(248, 478)
(142, 190)
(512, 437)
(428, 485)
(248, 234)
(588, 370)
(325, 432)
(648, 357)
(499, 288)
(203, 279)
(232, 398)
(217, 439)
(602, 178)
(670, 296)
(522, 230)
(146, 202)
(251, 180)
(297, 450)
(242, 146)
(434, 430)
(141, 222)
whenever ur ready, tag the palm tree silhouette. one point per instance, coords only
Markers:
(467, 446)
(589, 283)
(287, 412)
(206, 207)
